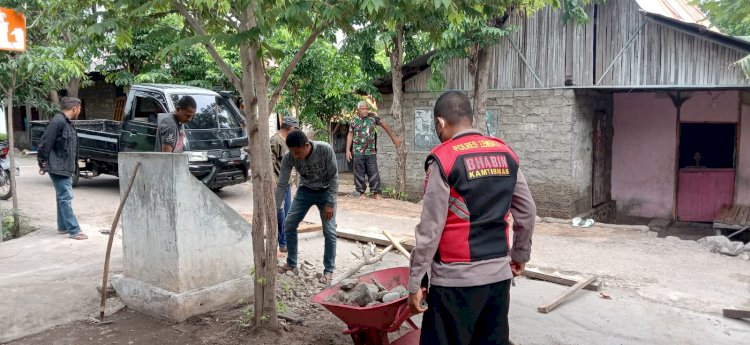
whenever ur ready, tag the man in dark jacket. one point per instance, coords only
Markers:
(58, 156)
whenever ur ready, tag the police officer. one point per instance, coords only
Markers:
(473, 185)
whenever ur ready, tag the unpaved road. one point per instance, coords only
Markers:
(664, 291)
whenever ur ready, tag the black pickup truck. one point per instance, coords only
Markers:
(215, 139)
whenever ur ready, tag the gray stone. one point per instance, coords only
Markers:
(672, 239)
(391, 296)
(659, 224)
(348, 284)
(733, 248)
(373, 289)
(380, 295)
(361, 295)
(747, 248)
(714, 243)
(401, 290)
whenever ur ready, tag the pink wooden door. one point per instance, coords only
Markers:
(702, 192)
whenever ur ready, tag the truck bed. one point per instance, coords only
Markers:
(97, 139)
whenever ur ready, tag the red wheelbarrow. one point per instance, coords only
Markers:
(371, 325)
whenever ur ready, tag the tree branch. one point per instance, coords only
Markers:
(282, 82)
(198, 28)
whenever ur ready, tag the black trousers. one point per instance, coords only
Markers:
(467, 315)
(366, 170)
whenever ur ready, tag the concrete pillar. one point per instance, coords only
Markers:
(185, 252)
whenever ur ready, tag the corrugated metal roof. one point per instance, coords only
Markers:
(677, 9)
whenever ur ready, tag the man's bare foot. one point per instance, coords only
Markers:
(378, 196)
(362, 197)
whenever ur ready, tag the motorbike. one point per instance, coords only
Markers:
(5, 192)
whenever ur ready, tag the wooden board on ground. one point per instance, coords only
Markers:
(737, 313)
(309, 228)
(734, 217)
(374, 237)
(573, 289)
(558, 278)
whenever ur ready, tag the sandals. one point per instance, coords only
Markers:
(79, 236)
(286, 268)
(326, 278)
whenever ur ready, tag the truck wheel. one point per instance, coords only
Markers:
(5, 192)
(76, 177)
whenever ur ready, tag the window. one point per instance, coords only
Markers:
(147, 109)
(212, 112)
(707, 145)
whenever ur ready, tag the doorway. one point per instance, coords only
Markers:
(707, 156)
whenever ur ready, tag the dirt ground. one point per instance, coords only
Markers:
(222, 327)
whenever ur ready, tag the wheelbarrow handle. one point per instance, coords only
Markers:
(403, 314)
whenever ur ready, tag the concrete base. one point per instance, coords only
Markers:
(185, 251)
(178, 307)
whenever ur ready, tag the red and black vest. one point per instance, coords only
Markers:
(481, 173)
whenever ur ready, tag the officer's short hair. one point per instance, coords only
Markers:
(186, 102)
(454, 107)
(67, 103)
(296, 138)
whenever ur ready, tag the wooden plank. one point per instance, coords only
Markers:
(736, 313)
(572, 290)
(742, 216)
(734, 214)
(722, 213)
(372, 237)
(535, 274)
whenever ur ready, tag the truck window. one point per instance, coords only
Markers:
(147, 109)
(212, 112)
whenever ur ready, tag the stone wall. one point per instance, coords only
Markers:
(98, 100)
(550, 130)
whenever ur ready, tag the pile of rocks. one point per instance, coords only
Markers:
(721, 244)
(356, 293)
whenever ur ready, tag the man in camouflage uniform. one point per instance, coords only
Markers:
(361, 146)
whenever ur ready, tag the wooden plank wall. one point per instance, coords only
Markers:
(659, 55)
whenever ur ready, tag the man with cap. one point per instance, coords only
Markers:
(361, 149)
(278, 150)
(473, 186)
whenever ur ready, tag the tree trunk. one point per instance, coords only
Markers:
(16, 231)
(264, 232)
(54, 97)
(482, 66)
(73, 86)
(396, 57)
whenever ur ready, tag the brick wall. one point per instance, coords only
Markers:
(550, 130)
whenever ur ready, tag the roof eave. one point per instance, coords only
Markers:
(699, 31)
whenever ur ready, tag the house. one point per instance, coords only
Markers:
(98, 101)
(637, 113)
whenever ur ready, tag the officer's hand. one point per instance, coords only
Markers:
(517, 267)
(328, 212)
(415, 300)
(348, 155)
